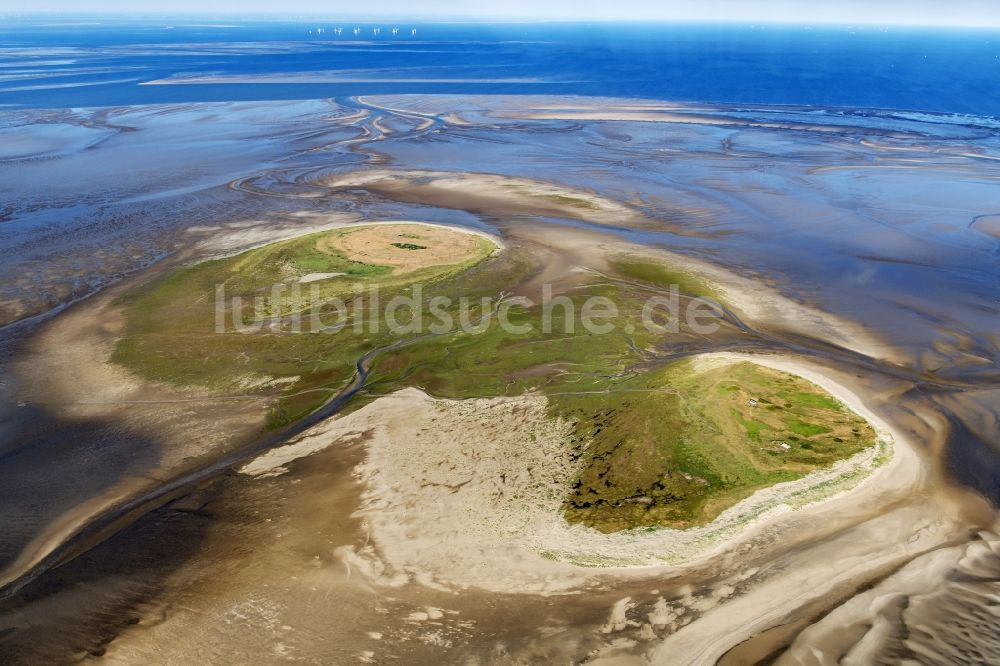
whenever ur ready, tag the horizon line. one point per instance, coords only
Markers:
(443, 18)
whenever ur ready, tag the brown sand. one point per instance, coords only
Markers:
(379, 244)
(989, 225)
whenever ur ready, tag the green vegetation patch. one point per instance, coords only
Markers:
(660, 275)
(675, 447)
(657, 445)
(409, 246)
(561, 199)
(574, 202)
(171, 324)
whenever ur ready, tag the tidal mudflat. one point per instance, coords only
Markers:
(253, 468)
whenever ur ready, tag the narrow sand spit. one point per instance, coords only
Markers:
(316, 277)
(518, 108)
(492, 193)
(468, 493)
(665, 115)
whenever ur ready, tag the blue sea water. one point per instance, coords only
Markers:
(82, 62)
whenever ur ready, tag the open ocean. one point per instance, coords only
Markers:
(85, 62)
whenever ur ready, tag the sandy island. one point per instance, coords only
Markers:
(473, 498)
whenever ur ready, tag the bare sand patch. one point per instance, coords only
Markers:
(453, 486)
(316, 277)
(403, 247)
(227, 240)
(988, 224)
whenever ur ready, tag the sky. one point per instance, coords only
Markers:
(881, 12)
